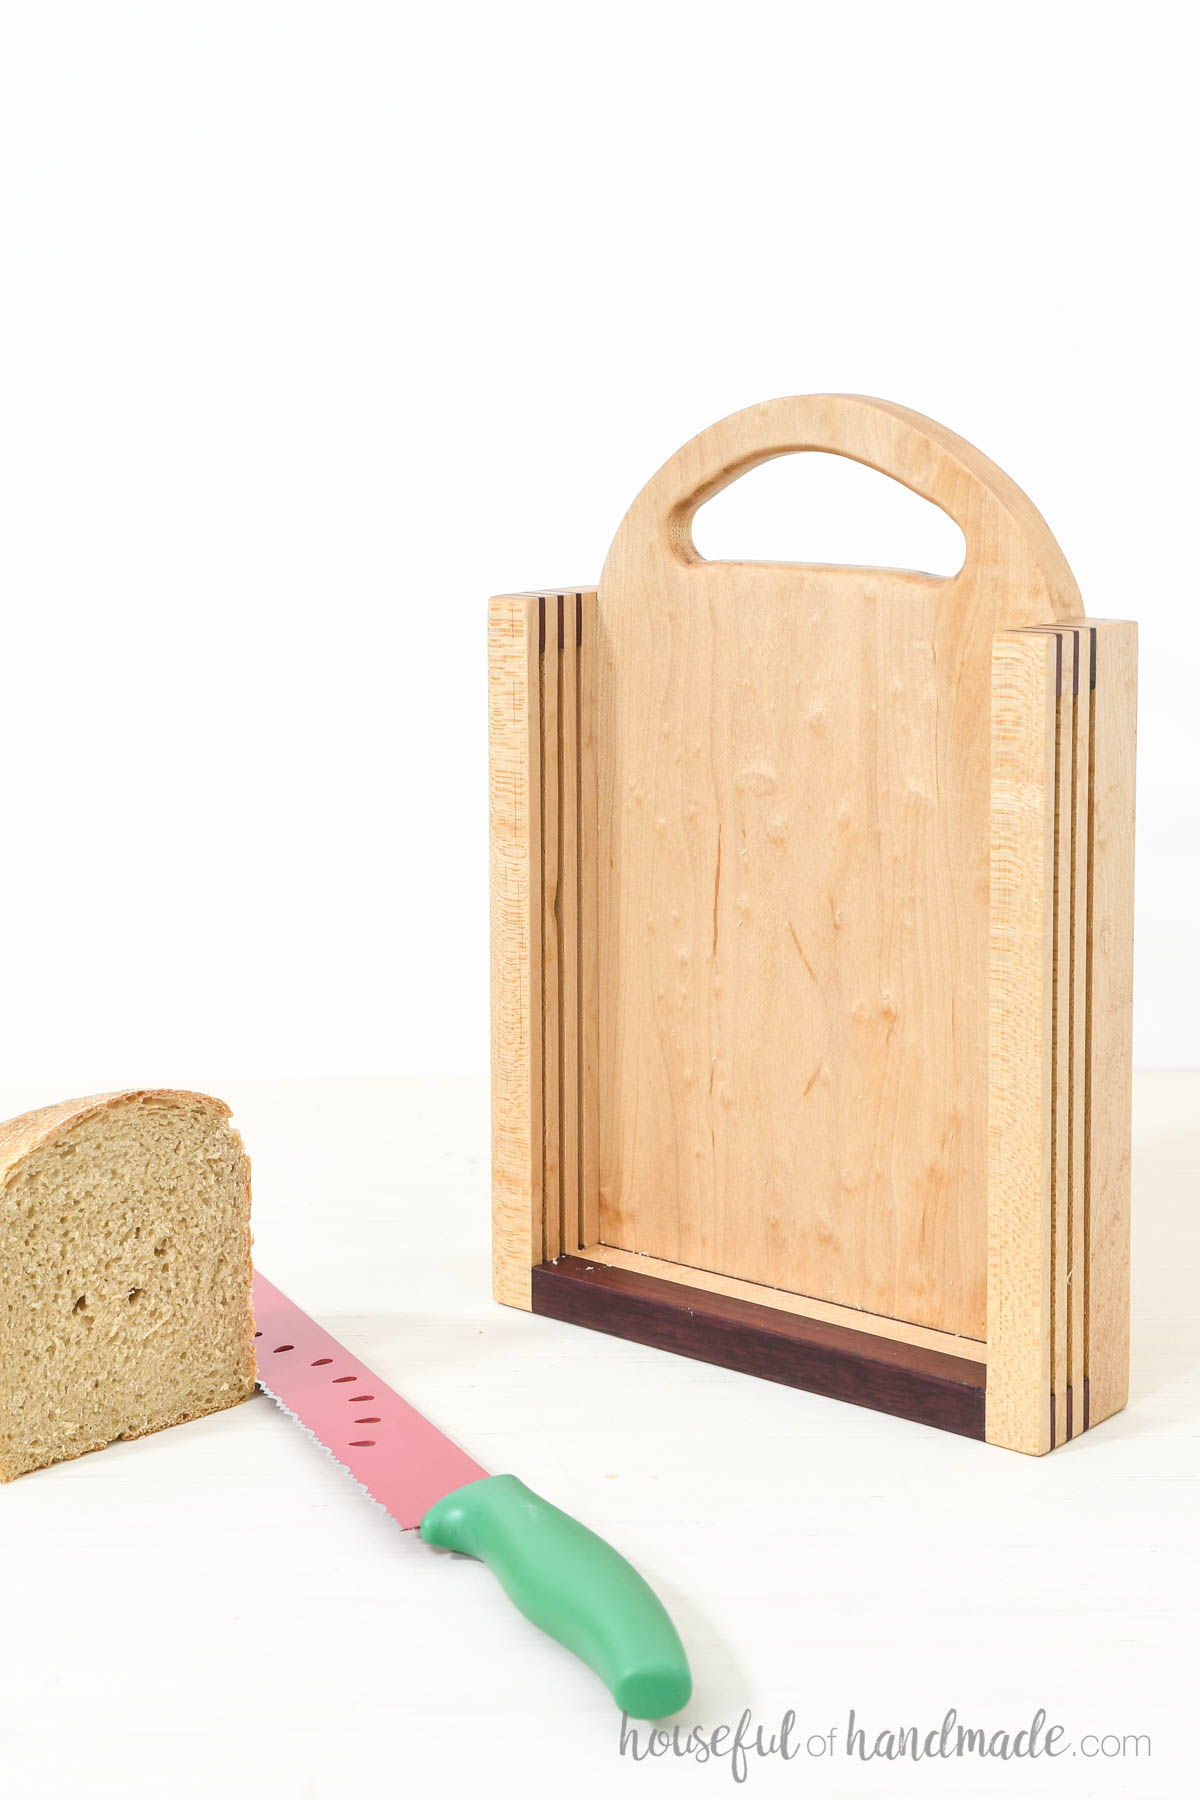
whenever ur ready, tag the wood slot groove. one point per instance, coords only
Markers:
(1067, 1003)
(549, 1200)
(589, 1008)
(559, 936)
(581, 942)
(568, 929)
(806, 1306)
(1088, 1133)
(1077, 1073)
(1061, 972)
(566, 922)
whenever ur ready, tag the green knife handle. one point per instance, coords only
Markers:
(573, 1586)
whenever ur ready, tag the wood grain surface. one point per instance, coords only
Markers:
(514, 790)
(812, 927)
(1110, 1041)
(545, 1095)
(1021, 1045)
(793, 821)
(803, 1305)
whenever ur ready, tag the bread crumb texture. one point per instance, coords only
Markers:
(125, 1299)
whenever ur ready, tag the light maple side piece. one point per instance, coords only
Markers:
(1110, 1054)
(514, 797)
(1021, 1072)
(541, 755)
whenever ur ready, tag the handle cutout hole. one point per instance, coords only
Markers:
(812, 507)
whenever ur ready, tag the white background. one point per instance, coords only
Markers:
(321, 322)
(318, 324)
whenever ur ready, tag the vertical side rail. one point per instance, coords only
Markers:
(542, 781)
(514, 795)
(1110, 982)
(1021, 1071)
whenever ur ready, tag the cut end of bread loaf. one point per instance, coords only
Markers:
(125, 1276)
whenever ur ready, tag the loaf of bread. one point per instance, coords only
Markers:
(125, 1301)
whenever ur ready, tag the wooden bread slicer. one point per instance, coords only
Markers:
(812, 950)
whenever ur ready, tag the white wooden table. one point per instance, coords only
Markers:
(217, 1610)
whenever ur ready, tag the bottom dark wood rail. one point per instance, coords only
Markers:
(929, 1386)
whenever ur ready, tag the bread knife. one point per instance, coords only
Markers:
(564, 1578)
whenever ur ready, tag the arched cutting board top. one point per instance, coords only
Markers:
(793, 805)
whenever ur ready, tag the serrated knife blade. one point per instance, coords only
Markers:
(563, 1577)
(390, 1448)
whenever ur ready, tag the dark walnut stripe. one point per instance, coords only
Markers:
(928, 1386)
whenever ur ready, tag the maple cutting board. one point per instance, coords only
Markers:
(799, 875)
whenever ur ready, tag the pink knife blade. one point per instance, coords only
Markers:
(402, 1460)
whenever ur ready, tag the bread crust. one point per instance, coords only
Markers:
(31, 1131)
